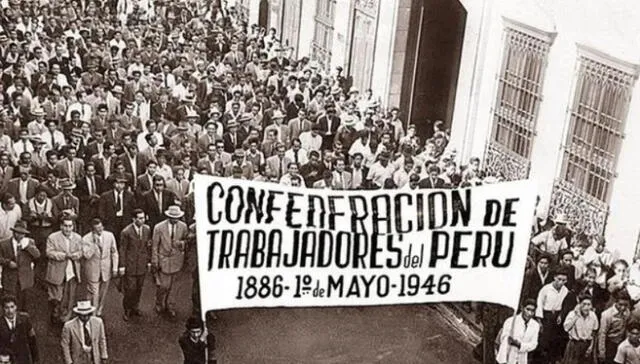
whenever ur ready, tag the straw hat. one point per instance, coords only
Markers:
(84, 308)
(174, 212)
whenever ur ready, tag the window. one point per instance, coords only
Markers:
(596, 128)
(519, 88)
(323, 36)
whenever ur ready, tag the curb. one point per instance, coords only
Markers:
(467, 328)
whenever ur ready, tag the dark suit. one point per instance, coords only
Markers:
(89, 203)
(150, 205)
(108, 213)
(328, 133)
(16, 280)
(21, 341)
(13, 187)
(140, 167)
(135, 254)
(59, 205)
(230, 145)
(431, 183)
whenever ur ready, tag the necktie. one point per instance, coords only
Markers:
(71, 171)
(140, 233)
(118, 202)
(160, 203)
(173, 231)
(87, 335)
(53, 141)
(281, 167)
(24, 145)
(92, 187)
(96, 240)
(66, 202)
(166, 84)
(296, 156)
(82, 110)
(180, 188)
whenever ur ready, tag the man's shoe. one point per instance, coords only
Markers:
(125, 316)
(171, 313)
(135, 312)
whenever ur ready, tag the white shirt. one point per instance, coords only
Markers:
(378, 173)
(69, 273)
(23, 191)
(118, 196)
(550, 299)
(309, 142)
(525, 332)
(11, 323)
(302, 156)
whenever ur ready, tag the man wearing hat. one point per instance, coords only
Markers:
(100, 263)
(17, 256)
(167, 257)
(281, 129)
(64, 251)
(555, 240)
(83, 338)
(65, 203)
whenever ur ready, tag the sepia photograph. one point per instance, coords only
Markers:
(319, 182)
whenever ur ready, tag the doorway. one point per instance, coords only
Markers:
(432, 64)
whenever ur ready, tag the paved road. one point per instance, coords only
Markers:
(398, 334)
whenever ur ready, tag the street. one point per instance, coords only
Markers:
(391, 334)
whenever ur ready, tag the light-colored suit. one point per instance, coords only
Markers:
(272, 168)
(173, 186)
(100, 260)
(72, 342)
(341, 181)
(64, 172)
(63, 282)
(167, 255)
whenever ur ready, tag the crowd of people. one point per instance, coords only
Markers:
(108, 110)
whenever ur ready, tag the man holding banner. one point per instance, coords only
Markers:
(519, 336)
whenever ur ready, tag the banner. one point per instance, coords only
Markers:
(267, 245)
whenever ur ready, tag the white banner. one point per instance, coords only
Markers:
(267, 245)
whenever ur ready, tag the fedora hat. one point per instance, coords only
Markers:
(239, 153)
(84, 308)
(336, 90)
(244, 118)
(20, 227)
(561, 219)
(38, 112)
(214, 110)
(348, 120)
(192, 114)
(67, 184)
(117, 89)
(174, 212)
(232, 124)
(37, 139)
(277, 115)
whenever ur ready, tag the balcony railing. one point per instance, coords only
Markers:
(586, 213)
(499, 160)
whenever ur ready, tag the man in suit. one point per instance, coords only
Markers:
(65, 203)
(133, 164)
(216, 159)
(358, 172)
(299, 124)
(17, 335)
(179, 186)
(6, 171)
(116, 206)
(341, 178)
(329, 124)
(100, 263)
(276, 166)
(135, 241)
(23, 187)
(433, 180)
(88, 190)
(83, 338)
(281, 129)
(231, 139)
(105, 161)
(145, 181)
(17, 256)
(167, 256)
(157, 200)
(71, 167)
(64, 251)
(238, 160)
(96, 146)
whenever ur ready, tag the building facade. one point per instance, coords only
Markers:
(549, 93)
(383, 45)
